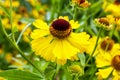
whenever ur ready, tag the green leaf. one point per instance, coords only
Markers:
(82, 59)
(19, 75)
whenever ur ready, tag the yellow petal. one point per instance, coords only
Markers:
(47, 53)
(40, 43)
(65, 18)
(104, 73)
(40, 24)
(116, 75)
(79, 40)
(114, 9)
(103, 60)
(64, 50)
(37, 33)
(74, 24)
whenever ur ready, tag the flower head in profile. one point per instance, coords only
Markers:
(104, 22)
(81, 3)
(57, 42)
(75, 69)
(114, 20)
(108, 61)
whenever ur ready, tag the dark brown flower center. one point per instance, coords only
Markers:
(19, 22)
(107, 44)
(104, 21)
(22, 10)
(60, 25)
(117, 2)
(60, 28)
(81, 1)
(116, 62)
(117, 18)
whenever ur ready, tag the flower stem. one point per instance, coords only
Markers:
(119, 38)
(12, 29)
(56, 72)
(95, 46)
(75, 77)
(75, 12)
(17, 48)
(110, 38)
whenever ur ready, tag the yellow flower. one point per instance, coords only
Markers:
(114, 20)
(15, 61)
(81, 3)
(105, 45)
(6, 23)
(1, 78)
(104, 22)
(38, 14)
(19, 25)
(6, 3)
(113, 8)
(58, 43)
(16, 22)
(26, 34)
(108, 62)
(34, 2)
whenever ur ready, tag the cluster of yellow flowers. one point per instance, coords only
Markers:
(58, 42)
(20, 12)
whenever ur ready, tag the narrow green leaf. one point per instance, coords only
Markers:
(82, 59)
(19, 75)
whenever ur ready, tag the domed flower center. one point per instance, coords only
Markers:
(60, 28)
(107, 44)
(81, 1)
(104, 21)
(117, 2)
(116, 62)
(19, 22)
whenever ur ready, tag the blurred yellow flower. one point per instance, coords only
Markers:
(81, 3)
(38, 14)
(104, 22)
(34, 2)
(105, 45)
(14, 61)
(112, 7)
(1, 78)
(108, 62)
(58, 43)
(6, 23)
(6, 3)
(26, 34)
(19, 25)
